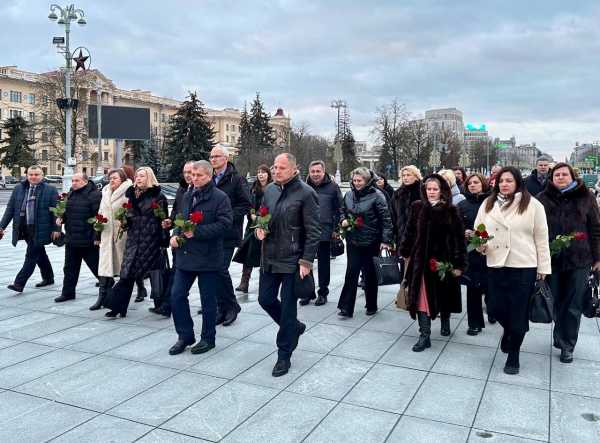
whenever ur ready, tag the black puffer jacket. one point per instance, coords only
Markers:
(236, 188)
(145, 235)
(294, 227)
(370, 204)
(400, 207)
(82, 204)
(330, 202)
(476, 274)
(575, 210)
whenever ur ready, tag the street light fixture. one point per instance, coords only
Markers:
(65, 16)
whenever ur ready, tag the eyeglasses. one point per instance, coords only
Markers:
(215, 156)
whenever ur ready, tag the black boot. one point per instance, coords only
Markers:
(141, 290)
(445, 329)
(512, 363)
(424, 341)
(245, 281)
(105, 284)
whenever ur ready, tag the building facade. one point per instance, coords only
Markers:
(474, 135)
(445, 120)
(586, 155)
(20, 94)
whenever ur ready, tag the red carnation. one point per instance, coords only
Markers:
(127, 205)
(359, 222)
(485, 234)
(263, 211)
(433, 264)
(154, 205)
(196, 217)
(99, 218)
(580, 236)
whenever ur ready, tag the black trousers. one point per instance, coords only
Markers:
(509, 292)
(74, 255)
(35, 255)
(359, 258)
(569, 290)
(475, 308)
(283, 312)
(324, 267)
(226, 300)
(121, 294)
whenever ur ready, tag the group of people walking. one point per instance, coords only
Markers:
(123, 232)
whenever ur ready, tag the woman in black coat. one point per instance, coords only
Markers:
(364, 241)
(435, 233)
(145, 238)
(384, 187)
(403, 198)
(249, 252)
(570, 207)
(476, 191)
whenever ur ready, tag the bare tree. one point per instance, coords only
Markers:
(417, 143)
(307, 147)
(391, 131)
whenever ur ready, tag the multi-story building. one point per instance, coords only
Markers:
(20, 95)
(521, 156)
(367, 156)
(474, 135)
(586, 155)
(447, 120)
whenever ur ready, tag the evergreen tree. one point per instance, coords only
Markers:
(190, 136)
(16, 152)
(137, 149)
(260, 126)
(386, 159)
(350, 161)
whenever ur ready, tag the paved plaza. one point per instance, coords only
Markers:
(70, 375)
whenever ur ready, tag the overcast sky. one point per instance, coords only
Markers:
(528, 69)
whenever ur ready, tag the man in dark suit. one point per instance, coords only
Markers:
(29, 210)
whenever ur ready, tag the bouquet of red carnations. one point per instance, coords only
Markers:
(354, 222)
(563, 241)
(98, 222)
(121, 216)
(479, 238)
(188, 225)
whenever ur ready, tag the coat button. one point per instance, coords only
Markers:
(506, 246)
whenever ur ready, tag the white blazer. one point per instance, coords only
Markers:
(520, 240)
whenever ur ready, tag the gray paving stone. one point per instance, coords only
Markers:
(388, 388)
(418, 430)
(388, 321)
(316, 313)
(535, 371)
(401, 354)
(523, 412)
(11, 312)
(331, 378)
(23, 320)
(350, 424)
(323, 338)
(359, 318)
(455, 319)
(365, 345)
(465, 360)
(220, 412)
(574, 378)
(43, 328)
(245, 325)
(99, 383)
(482, 436)
(588, 347)
(75, 334)
(30, 419)
(538, 341)
(162, 436)
(111, 339)
(105, 428)
(490, 335)
(447, 398)
(163, 401)
(287, 418)
(33, 368)
(574, 418)
(234, 360)
(5, 342)
(21, 352)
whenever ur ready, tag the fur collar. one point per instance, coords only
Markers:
(152, 192)
(580, 191)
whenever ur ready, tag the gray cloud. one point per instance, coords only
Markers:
(525, 68)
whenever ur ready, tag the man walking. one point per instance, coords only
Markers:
(83, 202)
(289, 248)
(227, 179)
(536, 182)
(200, 255)
(28, 209)
(330, 200)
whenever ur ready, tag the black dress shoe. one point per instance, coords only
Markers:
(112, 314)
(299, 331)
(371, 311)
(491, 320)
(15, 288)
(473, 331)
(200, 312)
(344, 313)
(229, 318)
(97, 284)
(44, 283)
(321, 300)
(566, 356)
(281, 368)
(63, 298)
(160, 311)
(423, 343)
(304, 301)
(201, 347)
(180, 346)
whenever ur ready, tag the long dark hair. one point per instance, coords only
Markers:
(525, 195)
(256, 186)
(484, 182)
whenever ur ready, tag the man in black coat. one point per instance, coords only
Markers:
(330, 201)
(289, 248)
(200, 255)
(235, 186)
(83, 203)
(536, 182)
(29, 210)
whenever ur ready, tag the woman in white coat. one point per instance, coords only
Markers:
(518, 254)
(111, 246)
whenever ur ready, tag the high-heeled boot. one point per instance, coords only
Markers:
(445, 329)
(245, 280)
(105, 284)
(424, 341)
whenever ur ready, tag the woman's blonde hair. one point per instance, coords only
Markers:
(413, 170)
(449, 176)
(152, 181)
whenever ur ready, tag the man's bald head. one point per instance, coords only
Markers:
(79, 180)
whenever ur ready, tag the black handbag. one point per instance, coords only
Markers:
(591, 307)
(541, 306)
(388, 269)
(304, 287)
(337, 247)
(160, 280)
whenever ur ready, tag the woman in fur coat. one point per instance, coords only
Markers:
(435, 234)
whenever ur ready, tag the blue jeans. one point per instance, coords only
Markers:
(180, 306)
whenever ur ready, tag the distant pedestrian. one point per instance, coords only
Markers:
(536, 182)
(461, 177)
(403, 198)
(450, 178)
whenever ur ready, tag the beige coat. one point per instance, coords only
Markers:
(520, 240)
(111, 248)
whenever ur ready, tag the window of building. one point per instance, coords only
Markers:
(233, 127)
(85, 155)
(105, 156)
(32, 136)
(84, 170)
(154, 130)
(227, 127)
(31, 99)
(45, 100)
(156, 116)
(105, 171)
(45, 154)
(163, 118)
(44, 137)
(45, 170)
(227, 137)
(106, 141)
(0, 95)
(15, 113)
(32, 117)
(15, 96)
(45, 118)
(0, 108)
(232, 139)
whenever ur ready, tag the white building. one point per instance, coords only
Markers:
(445, 120)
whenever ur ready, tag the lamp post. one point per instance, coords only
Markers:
(64, 16)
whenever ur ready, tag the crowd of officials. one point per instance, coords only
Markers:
(123, 231)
